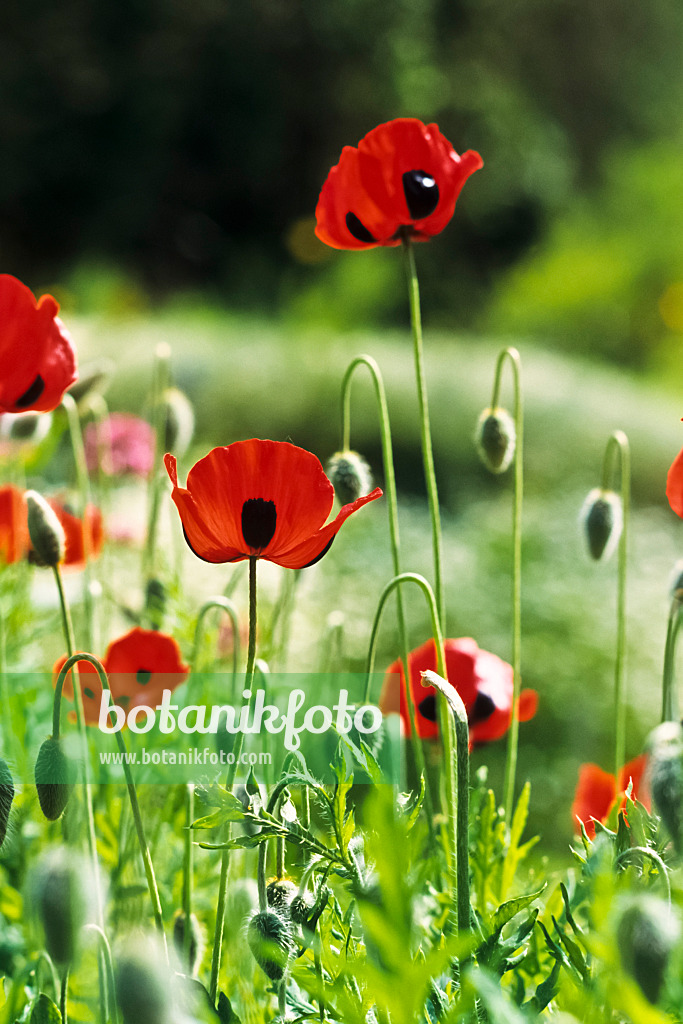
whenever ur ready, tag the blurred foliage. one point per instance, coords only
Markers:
(184, 143)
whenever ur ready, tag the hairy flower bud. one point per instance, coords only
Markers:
(179, 428)
(61, 887)
(665, 772)
(270, 940)
(6, 798)
(496, 439)
(25, 428)
(300, 909)
(280, 893)
(602, 519)
(647, 932)
(143, 986)
(191, 959)
(350, 476)
(54, 777)
(46, 531)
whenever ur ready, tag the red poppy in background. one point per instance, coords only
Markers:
(37, 355)
(483, 681)
(14, 538)
(77, 530)
(674, 485)
(403, 175)
(597, 792)
(267, 499)
(139, 666)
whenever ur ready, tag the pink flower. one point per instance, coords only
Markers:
(122, 443)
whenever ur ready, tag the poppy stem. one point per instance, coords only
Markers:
(160, 384)
(392, 507)
(425, 430)
(78, 449)
(456, 758)
(229, 782)
(669, 695)
(227, 606)
(188, 868)
(512, 355)
(72, 661)
(617, 453)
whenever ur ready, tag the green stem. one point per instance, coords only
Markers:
(512, 355)
(457, 792)
(105, 951)
(78, 449)
(229, 782)
(227, 606)
(669, 696)
(392, 507)
(425, 430)
(160, 383)
(188, 865)
(618, 451)
(63, 996)
(73, 660)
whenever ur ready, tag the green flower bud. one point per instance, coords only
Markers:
(6, 798)
(143, 987)
(280, 893)
(54, 775)
(192, 959)
(270, 940)
(179, 422)
(676, 585)
(61, 887)
(350, 476)
(25, 427)
(45, 530)
(300, 909)
(665, 772)
(496, 439)
(647, 932)
(602, 520)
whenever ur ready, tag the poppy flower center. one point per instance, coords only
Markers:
(32, 394)
(142, 676)
(259, 519)
(421, 192)
(483, 708)
(427, 707)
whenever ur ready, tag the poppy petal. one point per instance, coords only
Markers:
(207, 544)
(14, 537)
(310, 550)
(635, 771)
(142, 664)
(346, 216)
(594, 796)
(674, 485)
(36, 352)
(79, 533)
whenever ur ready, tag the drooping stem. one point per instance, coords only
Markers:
(425, 429)
(618, 452)
(669, 695)
(456, 770)
(392, 507)
(71, 661)
(229, 782)
(227, 606)
(512, 355)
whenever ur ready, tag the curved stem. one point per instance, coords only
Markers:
(132, 792)
(105, 950)
(230, 779)
(227, 606)
(392, 506)
(512, 355)
(425, 430)
(618, 453)
(669, 695)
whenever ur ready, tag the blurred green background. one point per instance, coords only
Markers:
(161, 162)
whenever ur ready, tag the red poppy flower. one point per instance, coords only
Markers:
(37, 356)
(674, 485)
(14, 539)
(267, 499)
(76, 530)
(597, 792)
(139, 666)
(483, 681)
(404, 174)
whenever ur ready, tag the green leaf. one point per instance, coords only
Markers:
(574, 952)
(546, 991)
(44, 1011)
(244, 842)
(225, 1010)
(231, 810)
(514, 854)
(506, 911)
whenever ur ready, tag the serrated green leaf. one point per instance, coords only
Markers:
(546, 991)
(243, 842)
(513, 854)
(574, 952)
(506, 911)
(44, 1011)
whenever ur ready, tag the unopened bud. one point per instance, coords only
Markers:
(45, 530)
(54, 776)
(647, 932)
(25, 427)
(665, 773)
(189, 950)
(496, 439)
(61, 888)
(350, 476)
(179, 428)
(676, 585)
(270, 940)
(602, 520)
(6, 798)
(143, 986)
(280, 893)
(300, 909)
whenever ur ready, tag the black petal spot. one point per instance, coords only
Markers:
(32, 394)
(483, 708)
(421, 192)
(427, 707)
(357, 229)
(142, 676)
(318, 557)
(259, 519)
